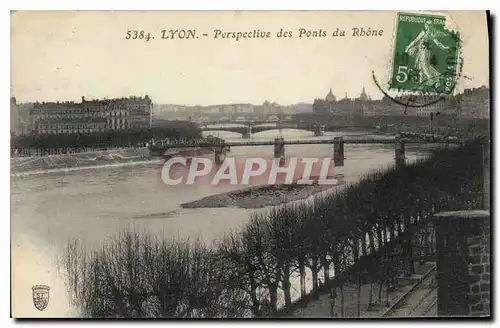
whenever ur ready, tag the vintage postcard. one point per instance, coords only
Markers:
(250, 164)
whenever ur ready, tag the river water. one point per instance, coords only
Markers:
(93, 204)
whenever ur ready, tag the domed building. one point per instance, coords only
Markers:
(330, 100)
(346, 106)
(353, 106)
(330, 97)
(363, 96)
(366, 105)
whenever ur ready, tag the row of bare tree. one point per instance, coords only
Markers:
(44, 144)
(351, 234)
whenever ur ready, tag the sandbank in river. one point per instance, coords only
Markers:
(262, 196)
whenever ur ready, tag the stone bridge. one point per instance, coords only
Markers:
(248, 128)
(226, 117)
(221, 147)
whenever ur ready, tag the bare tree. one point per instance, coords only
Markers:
(240, 266)
(281, 225)
(299, 250)
(314, 252)
(257, 235)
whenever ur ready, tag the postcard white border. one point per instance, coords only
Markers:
(185, 5)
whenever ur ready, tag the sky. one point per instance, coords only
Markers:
(62, 56)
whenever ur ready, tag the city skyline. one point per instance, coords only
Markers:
(270, 102)
(63, 56)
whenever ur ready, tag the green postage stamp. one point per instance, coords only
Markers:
(426, 55)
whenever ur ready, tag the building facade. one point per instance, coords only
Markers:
(345, 106)
(63, 126)
(90, 116)
(472, 103)
(20, 118)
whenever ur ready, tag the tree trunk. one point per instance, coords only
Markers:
(370, 295)
(383, 233)
(333, 298)
(315, 269)
(392, 233)
(381, 283)
(326, 269)
(341, 300)
(380, 238)
(421, 240)
(355, 249)
(372, 242)
(426, 240)
(137, 305)
(286, 288)
(409, 249)
(432, 243)
(363, 246)
(255, 301)
(302, 271)
(359, 296)
(387, 291)
(273, 297)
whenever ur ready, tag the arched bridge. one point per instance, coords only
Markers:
(248, 128)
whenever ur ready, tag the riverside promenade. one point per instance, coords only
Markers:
(414, 296)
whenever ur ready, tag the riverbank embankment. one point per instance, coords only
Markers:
(96, 159)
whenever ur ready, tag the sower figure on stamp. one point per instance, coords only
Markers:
(419, 51)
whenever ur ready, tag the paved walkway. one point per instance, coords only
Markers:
(419, 303)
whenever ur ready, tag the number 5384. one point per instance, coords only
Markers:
(138, 35)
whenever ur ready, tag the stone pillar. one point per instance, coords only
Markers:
(220, 154)
(279, 147)
(248, 132)
(463, 263)
(400, 153)
(319, 130)
(338, 151)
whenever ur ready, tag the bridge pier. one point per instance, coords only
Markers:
(400, 154)
(338, 151)
(247, 133)
(279, 148)
(220, 154)
(319, 130)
